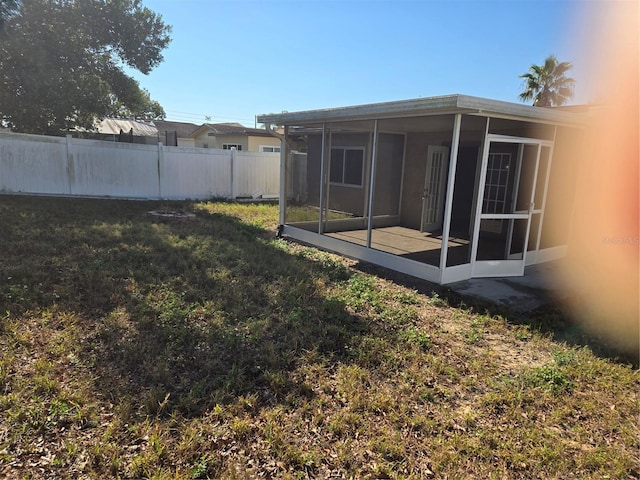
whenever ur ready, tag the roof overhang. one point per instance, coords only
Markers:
(113, 126)
(448, 104)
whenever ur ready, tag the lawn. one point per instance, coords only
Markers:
(207, 348)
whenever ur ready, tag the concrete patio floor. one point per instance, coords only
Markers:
(538, 287)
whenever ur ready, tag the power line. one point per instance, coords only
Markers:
(201, 118)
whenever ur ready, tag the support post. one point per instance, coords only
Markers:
(232, 161)
(476, 182)
(160, 161)
(372, 181)
(284, 176)
(477, 211)
(322, 179)
(70, 164)
(448, 203)
(546, 187)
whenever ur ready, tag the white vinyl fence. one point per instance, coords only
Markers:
(68, 166)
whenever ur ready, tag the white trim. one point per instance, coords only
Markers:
(284, 176)
(476, 184)
(479, 200)
(358, 252)
(546, 187)
(429, 106)
(261, 148)
(372, 181)
(534, 183)
(456, 273)
(514, 194)
(448, 203)
(404, 158)
(497, 268)
(505, 216)
(494, 137)
(366, 181)
(325, 185)
(546, 255)
(322, 178)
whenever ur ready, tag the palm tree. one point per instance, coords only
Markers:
(548, 84)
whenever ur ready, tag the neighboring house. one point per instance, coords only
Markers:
(177, 134)
(233, 135)
(442, 188)
(126, 130)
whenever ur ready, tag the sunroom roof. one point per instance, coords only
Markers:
(426, 106)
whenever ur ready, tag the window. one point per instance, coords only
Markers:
(495, 190)
(229, 146)
(205, 145)
(269, 149)
(347, 166)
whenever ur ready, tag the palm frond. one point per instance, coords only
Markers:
(547, 84)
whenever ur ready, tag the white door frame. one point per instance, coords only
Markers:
(434, 191)
(508, 267)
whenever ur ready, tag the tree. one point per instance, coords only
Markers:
(138, 105)
(548, 85)
(62, 62)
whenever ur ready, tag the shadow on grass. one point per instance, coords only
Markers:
(179, 315)
(553, 318)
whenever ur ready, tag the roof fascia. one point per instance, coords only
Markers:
(363, 112)
(513, 111)
(449, 104)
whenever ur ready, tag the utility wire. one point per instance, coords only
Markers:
(202, 118)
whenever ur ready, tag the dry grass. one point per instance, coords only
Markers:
(205, 348)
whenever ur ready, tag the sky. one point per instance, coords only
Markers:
(231, 60)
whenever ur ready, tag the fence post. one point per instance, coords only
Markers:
(70, 165)
(160, 160)
(233, 180)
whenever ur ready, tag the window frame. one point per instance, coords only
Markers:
(345, 149)
(230, 146)
(262, 148)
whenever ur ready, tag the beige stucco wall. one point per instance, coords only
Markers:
(249, 143)
(350, 199)
(218, 141)
(223, 140)
(354, 199)
(203, 139)
(388, 174)
(414, 173)
(560, 206)
(255, 142)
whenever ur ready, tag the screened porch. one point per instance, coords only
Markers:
(442, 195)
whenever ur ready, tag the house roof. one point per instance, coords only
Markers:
(140, 128)
(447, 104)
(221, 129)
(183, 129)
